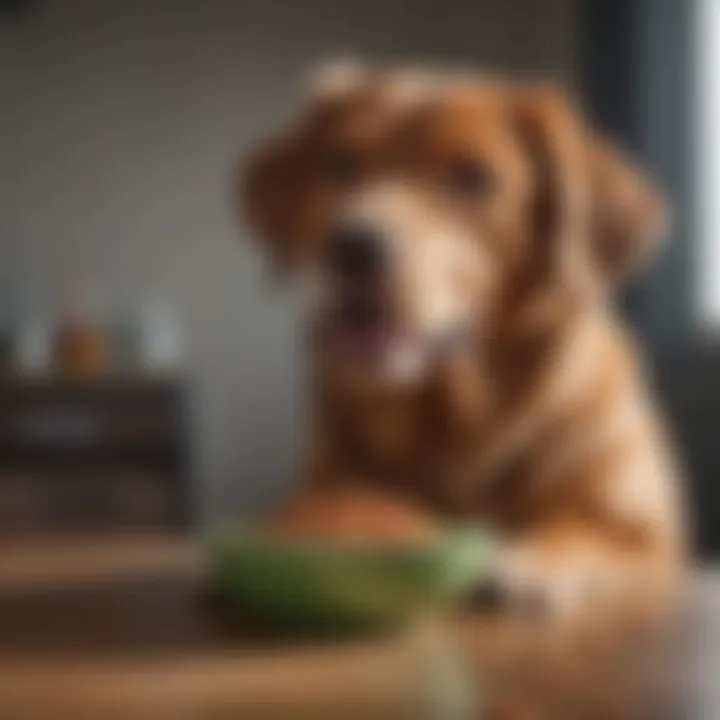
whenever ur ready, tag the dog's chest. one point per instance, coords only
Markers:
(401, 441)
(387, 433)
(406, 442)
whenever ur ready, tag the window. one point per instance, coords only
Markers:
(707, 148)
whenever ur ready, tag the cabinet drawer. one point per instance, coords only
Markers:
(88, 501)
(69, 419)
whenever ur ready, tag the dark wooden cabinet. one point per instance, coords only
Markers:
(94, 455)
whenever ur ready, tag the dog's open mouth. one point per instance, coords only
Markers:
(364, 332)
(363, 329)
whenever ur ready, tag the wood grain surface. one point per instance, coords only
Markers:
(125, 628)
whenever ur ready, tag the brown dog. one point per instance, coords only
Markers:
(462, 238)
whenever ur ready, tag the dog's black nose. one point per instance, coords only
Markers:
(357, 252)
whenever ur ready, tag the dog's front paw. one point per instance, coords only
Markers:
(525, 581)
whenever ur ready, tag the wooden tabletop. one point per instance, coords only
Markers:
(123, 628)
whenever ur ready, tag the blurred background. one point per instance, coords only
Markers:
(150, 377)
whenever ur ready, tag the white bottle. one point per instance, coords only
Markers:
(33, 346)
(161, 338)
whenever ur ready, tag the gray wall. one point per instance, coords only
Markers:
(119, 122)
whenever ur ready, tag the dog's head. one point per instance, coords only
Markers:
(421, 208)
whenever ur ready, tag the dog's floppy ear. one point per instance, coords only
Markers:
(629, 217)
(556, 150)
(597, 218)
(274, 187)
(270, 194)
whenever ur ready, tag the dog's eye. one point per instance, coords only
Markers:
(469, 178)
(340, 168)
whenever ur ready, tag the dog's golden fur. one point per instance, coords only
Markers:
(544, 427)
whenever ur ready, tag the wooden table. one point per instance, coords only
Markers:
(122, 629)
